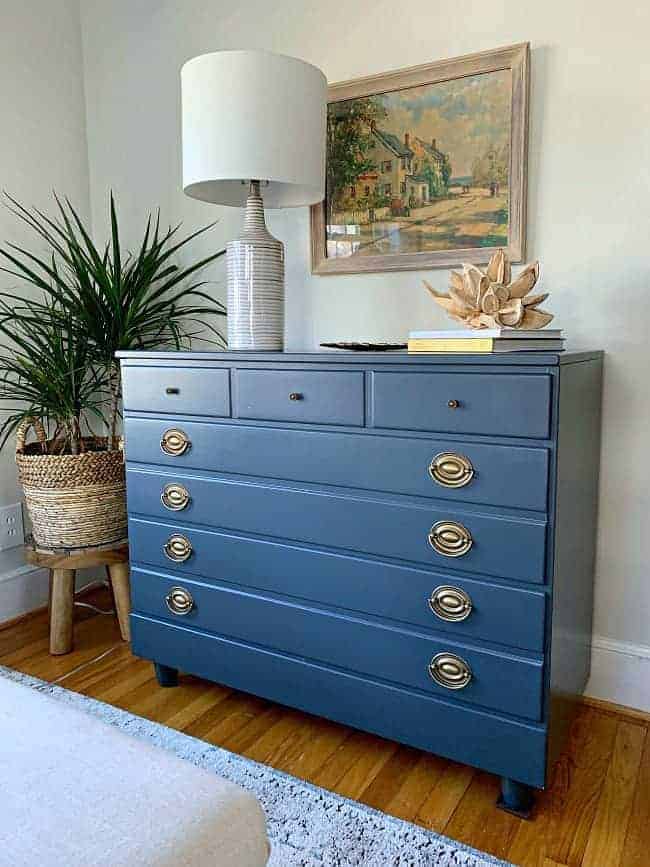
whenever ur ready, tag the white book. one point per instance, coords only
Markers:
(482, 333)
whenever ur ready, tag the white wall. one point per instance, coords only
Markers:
(42, 147)
(589, 196)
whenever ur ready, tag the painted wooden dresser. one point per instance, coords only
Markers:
(404, 544)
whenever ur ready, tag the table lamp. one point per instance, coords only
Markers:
(254, 135)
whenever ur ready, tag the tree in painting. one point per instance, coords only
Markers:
(349, 145)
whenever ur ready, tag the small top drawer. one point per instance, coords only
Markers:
(186, 390)
(316, 397)
(516, 405)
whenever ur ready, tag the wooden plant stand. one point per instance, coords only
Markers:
(63, 565)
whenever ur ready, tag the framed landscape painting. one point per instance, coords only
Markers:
(426, 167)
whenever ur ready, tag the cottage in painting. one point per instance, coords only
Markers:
(407, 172)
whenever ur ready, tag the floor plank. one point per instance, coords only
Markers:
(609, 830)
(309, 757)
(636, 851)
(475, 820)
(381, 790)
(596, 811)
(447, 793)
(565, 812)
(362, 773)
(409, 797)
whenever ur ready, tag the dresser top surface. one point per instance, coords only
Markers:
(532, 358)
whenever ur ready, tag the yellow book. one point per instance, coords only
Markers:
(471, 345)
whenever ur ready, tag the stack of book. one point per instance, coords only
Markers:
(486, 340)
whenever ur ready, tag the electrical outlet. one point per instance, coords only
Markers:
(12, 532)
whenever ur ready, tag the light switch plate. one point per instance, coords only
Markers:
(12, 533)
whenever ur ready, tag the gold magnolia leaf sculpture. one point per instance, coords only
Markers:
(490, 300)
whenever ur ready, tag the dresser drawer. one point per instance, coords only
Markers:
(503, 615)
(312, 397)
(515, 405)
(513, 476)
(502, 682)
(185, 390)
(509, 747)
(501, 546)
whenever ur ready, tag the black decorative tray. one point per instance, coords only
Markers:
(353, 346)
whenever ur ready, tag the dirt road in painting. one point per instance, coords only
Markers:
(472, 219)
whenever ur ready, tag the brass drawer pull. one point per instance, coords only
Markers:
(295, 395)
(450, 603)
(451, 470)
(179, 601)
(178, 548)
(175, 442)
(450, 671)
(175, 497)
(453, 404)
(450, 539)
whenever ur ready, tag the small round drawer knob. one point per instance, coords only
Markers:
(450, 603)
(451, 470)
(450, 671)
(178, 548)
(450, 539)
(175, 497)
(179, 601)
(295, 395)
(175, 442)
(453, 404)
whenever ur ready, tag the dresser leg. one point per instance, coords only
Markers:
(516, 798)
(165, 675)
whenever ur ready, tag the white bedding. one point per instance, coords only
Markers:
(75, 792)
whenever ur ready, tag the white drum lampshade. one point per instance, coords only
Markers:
(253, 126)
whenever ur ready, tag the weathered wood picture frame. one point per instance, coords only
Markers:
(345, 251)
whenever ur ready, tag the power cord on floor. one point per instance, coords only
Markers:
(89, 662)
(92, 585)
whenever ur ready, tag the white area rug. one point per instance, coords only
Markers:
(308, 826)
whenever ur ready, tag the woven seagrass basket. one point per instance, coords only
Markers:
(73, 501)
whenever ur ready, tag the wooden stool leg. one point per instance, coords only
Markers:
(61, 608)
(119, 578)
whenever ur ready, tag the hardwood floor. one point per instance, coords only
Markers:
(595, 814)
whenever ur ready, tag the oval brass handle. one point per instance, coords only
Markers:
(175, 442)
(451, 470)
(453, 404)
(295, 395)
(450, 603)
(179, 601)
(450, 671)
(175, 497)
(178, 548)
(450, 539)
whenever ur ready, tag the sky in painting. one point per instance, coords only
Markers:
(466, 116)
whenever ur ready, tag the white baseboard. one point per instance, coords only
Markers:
(22, 589)
(620, 672)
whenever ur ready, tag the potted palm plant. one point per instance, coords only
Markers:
(58, 372)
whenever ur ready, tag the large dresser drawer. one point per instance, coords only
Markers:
(502, 682)
(314, 397)
(185, 390)
(503, 746)
(515, 405)
(489, 612)
(512, 476)
(502, 546)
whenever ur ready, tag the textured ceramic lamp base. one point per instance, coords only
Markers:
(255, 265)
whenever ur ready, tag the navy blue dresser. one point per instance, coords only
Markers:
(401, 543)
